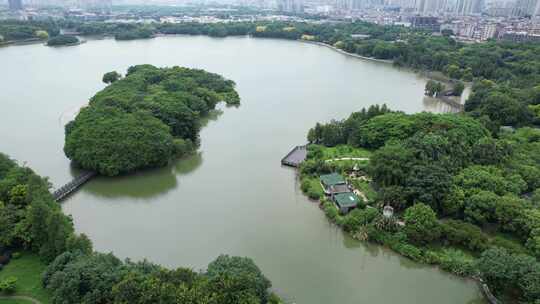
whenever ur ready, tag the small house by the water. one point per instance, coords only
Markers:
(334, 183)
(345, 202)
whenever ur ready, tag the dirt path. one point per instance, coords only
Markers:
(26, 298)
(347, 158)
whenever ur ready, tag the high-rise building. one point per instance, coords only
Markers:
(469, 7)
(424, 7)
(348, 5)
(291, 6)
(96, 5)
(526, 8)
(15, 5)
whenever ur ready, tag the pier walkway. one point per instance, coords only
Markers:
(64, 191)
(295, 157)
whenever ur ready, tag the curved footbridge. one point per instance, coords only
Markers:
(64, 191)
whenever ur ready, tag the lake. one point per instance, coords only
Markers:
(233, 197)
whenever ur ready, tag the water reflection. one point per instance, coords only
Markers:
(213, 115)
(145, 184)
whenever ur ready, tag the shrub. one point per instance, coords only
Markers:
(274, 299)
(464, 234)
(16, 255)
(408, 250)
(313, 194)
(8, 285)
(511, 246)
(330, 210)
(456, 262)
(305, 185)
(431, 257)
(386, 223)
(359, 217)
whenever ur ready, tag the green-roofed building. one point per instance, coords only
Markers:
(346, 201)
(333, 183)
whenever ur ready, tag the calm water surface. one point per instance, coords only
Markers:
(233, 197)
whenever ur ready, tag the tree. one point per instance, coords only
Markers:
(429, 184)
(390, 165)
(458, 88)
(488, 151)
(236, 276)
(489, 178)
(480, 207)
(111, 77)
(536, 197)
(533, 242)
(453, 71)
(83, 278)
(454, 202)
(508, 211)
(431, 88)
(505, 109)
(394, 196)
(421, 224)
(507, 272)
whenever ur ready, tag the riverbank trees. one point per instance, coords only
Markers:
(14, 30)
(459, 190)
(146, 119)
(102, 278)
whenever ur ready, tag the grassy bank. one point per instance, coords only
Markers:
(27, 269)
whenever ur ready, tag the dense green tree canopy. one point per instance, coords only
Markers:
(29, 217)
(145, 119)
(111, 77)
(479, 190)
(62, 40)
(421, 225)
(75, 277)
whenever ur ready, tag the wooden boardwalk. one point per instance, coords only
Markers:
(294, 158)
(64, 191)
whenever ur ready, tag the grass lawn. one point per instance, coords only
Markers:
(341, 151)
(365, 187)
(27, 269)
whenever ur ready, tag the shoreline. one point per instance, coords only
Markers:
(346, 53)
(483, 288)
